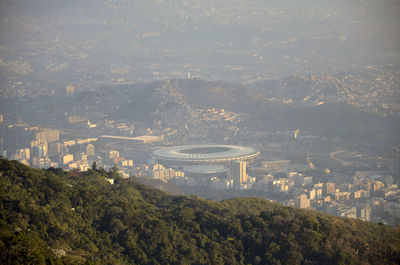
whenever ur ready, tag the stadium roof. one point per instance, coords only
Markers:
(205, 153)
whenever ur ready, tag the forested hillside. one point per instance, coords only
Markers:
(56, 217)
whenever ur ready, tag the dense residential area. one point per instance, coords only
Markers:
(350, 172)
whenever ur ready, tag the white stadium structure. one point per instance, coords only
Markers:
(204, 154)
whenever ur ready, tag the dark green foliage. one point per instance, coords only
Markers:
(94, 165)
(55, 217)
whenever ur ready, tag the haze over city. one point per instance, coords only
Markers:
(297, 102)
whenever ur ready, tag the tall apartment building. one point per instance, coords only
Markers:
(238, 173)
(55, 148)
(46, 135)
(365, 214)
(303, 201)
(90, 151)
(39, 150)
(329, 188)
(113, 156)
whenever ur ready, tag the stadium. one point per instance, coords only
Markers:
(203, 154)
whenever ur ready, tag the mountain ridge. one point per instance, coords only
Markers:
(71, 218)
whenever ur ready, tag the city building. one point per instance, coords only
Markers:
(86, 141)
(144, 139)
(312, 194)
(366, 184)
(90, 151)
(329, 188)
(348, 212)
(283, 185)
(113, 157)
(22, 154)
(55, 148)
(303, 201)
(67, 159)
(365, 214)
(221, 184)
(238, 173)
(378, 186)
(158, 171)
(46, 135)
(347, 187)
(69, 91)
(18, 136)
(318, 193)
(38, 150)
(276, 166)
(361, 194)
(342, 196)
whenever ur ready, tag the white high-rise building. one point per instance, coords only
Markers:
(114, 156)
(303, 201)
(365, 214)
(238, 173)
(90, 151)
(312, 194)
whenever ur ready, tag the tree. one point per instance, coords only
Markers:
(94, 166)
(113, 172)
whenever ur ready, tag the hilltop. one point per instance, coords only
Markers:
(53, 216)
(181, 104)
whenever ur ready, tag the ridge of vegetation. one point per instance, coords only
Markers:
(57, 217)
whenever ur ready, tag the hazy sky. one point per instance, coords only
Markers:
(258, 36)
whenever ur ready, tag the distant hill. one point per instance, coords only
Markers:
(177, 103)
(57, 217)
